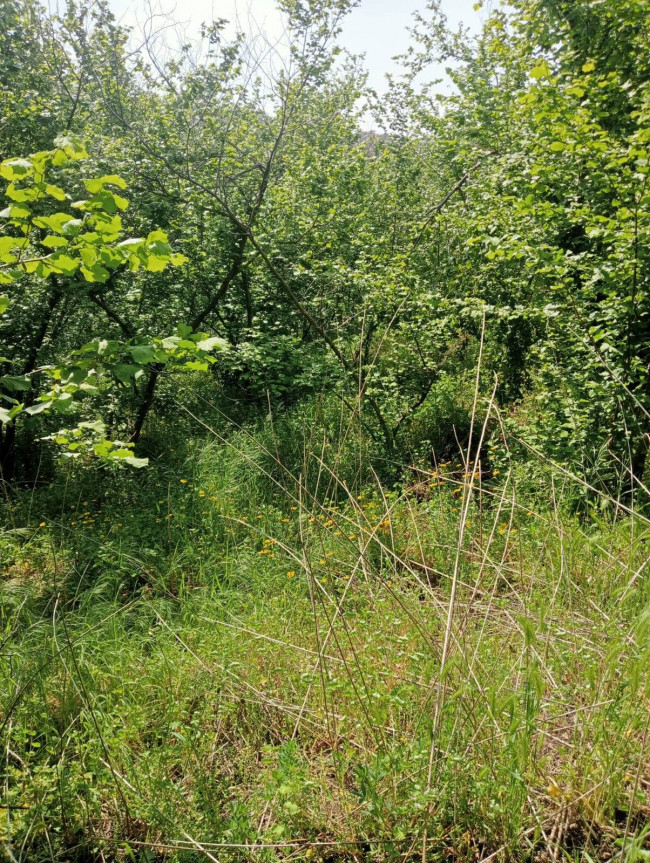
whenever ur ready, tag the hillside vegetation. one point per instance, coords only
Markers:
(323, 452)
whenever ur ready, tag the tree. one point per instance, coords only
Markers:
(58, 268)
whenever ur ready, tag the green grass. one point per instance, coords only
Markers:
(233, 660)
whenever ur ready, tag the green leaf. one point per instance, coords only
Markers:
(15, 169)
(96, 273)
(55, 192)
(124, 372)
(541, 70)
(53, 242)
(5, 302)
(106, 225)
(143, 354)
(15, 212)
(135, 462)
(64, 263)
(88, 256)
(55, 222)
(97, 185)
(21, 195)
(156, 264)
(16, 383)
(38, 408)
(107, 201)
(72, 227)
(212, 343)
(71, 146)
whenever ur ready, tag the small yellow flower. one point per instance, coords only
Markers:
(291, 574)
(495, 473)
(184, 481)
(43, 524)
(201, 493)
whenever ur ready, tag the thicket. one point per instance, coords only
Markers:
(323, 451)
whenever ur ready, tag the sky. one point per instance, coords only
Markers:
(377, 28)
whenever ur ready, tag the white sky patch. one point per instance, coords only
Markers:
(377, 28)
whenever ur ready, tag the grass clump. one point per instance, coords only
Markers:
(237, 663)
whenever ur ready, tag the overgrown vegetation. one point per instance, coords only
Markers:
(323, 452)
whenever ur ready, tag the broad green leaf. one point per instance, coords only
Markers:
(156, 264)
(64, 263)
(88, 256)
(97, 185)
(133, 461)
(212, 343)
(54, 242)
(96, 273)
(72, 227)
(124, 372)
(71, 146)
(143, 354)
(55, 192)
(541, 70)
(105, 225)
(15, 211)
(15, 169)
(55, 222)
(15, 383)
(21, 195)
(38, 408)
